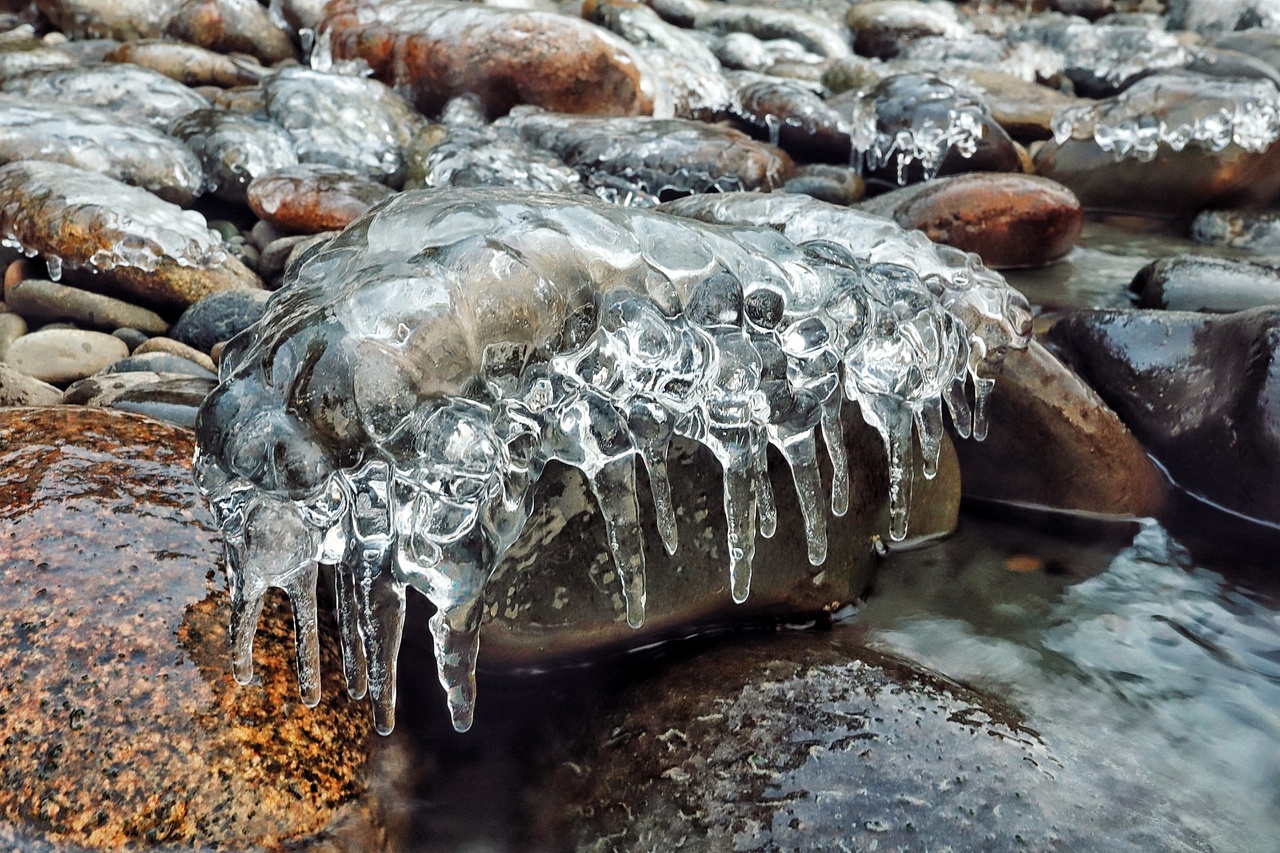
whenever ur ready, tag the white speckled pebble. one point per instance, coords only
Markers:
(64, 355)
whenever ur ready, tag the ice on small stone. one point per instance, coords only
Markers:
(392, 412)
(1177, 111)
(131, 92)
(234, 148)
(1102, 58)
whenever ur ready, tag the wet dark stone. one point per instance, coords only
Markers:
(173, 398)
(1212, 285)
(791, 115)
(1010, 220)
(504, 56)
(311, 198)
(1025, 110)
(1201, 392)
(554, 595)
(810, 741)
(1054, 443)
(121, 722)
(155, 362)
(834, 184)
(881, 28)
(904, 103)
(219, 317)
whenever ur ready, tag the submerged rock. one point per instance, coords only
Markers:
(1213, 285)
(134, 94)
(1008, 220)
(350, 122)
(312, 197)
(1054, 443)
(439, 50)
(234, 149)
(122, 725)
(98, 141)
(110, 235)
(1199, 391)
(809, 741)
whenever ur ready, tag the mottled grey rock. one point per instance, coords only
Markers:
(169, 345)
(157, 362)
(132, 337)
(59, 356)
(219, 317)
(170, 397)
(19, 389)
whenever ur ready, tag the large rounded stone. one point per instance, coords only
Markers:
(1201, 392)
(1054, 443)
(59, 356)
(505, 57)
(1009, 220)
(219, 317)
(232, 26)
(556, 593)
(811, 742)
(1025, 110)
(121, 724)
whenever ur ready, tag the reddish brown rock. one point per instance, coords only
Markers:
(1054, 443)
(1010, 220)
(312, 198)
(119, 720)
(232, 26)
(440, 50)
(188, 63)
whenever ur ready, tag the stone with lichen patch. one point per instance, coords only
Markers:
(120, 723)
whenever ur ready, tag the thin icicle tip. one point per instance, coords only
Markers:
(392, 412)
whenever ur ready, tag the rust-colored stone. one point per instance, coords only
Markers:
(311, 198)
(119, 720)
(232, 26)
(504, 56)
(1010, 220)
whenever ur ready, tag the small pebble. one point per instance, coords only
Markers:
(177, 348)
(132, 337)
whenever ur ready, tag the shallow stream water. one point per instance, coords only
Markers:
(1144, 652)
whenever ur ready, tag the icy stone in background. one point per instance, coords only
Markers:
(131, 93)
(234, 149)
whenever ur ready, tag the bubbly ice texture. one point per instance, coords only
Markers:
(1109, 55)
(234, 148)
(354, 123)
(1216, 16)
(92, 139)
(126, 226)
(1176, 111)
(130, 92)
(394, 408)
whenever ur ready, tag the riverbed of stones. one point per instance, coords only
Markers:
(254, 134)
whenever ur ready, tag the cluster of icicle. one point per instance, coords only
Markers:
(392, 412)
(1177, 111)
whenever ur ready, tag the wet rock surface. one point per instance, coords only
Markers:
(1197, 390)
(1213, 285)
(132, 93)
(234, 149)
(845, 746)
(505, 57)
(47, 302)
(312, 198)
(1055, 444)
(117, 689)
(1008, 220)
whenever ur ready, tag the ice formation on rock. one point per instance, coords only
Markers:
(399, 400)
(1177, 110)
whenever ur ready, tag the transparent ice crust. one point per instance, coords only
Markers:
(1108, 55)
(130, 92)
(234, 148)
(126, 226)
(1176, 111)
(92, 139)
(393, 409)
(636, 160)
(909, 118)
(341, 120)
